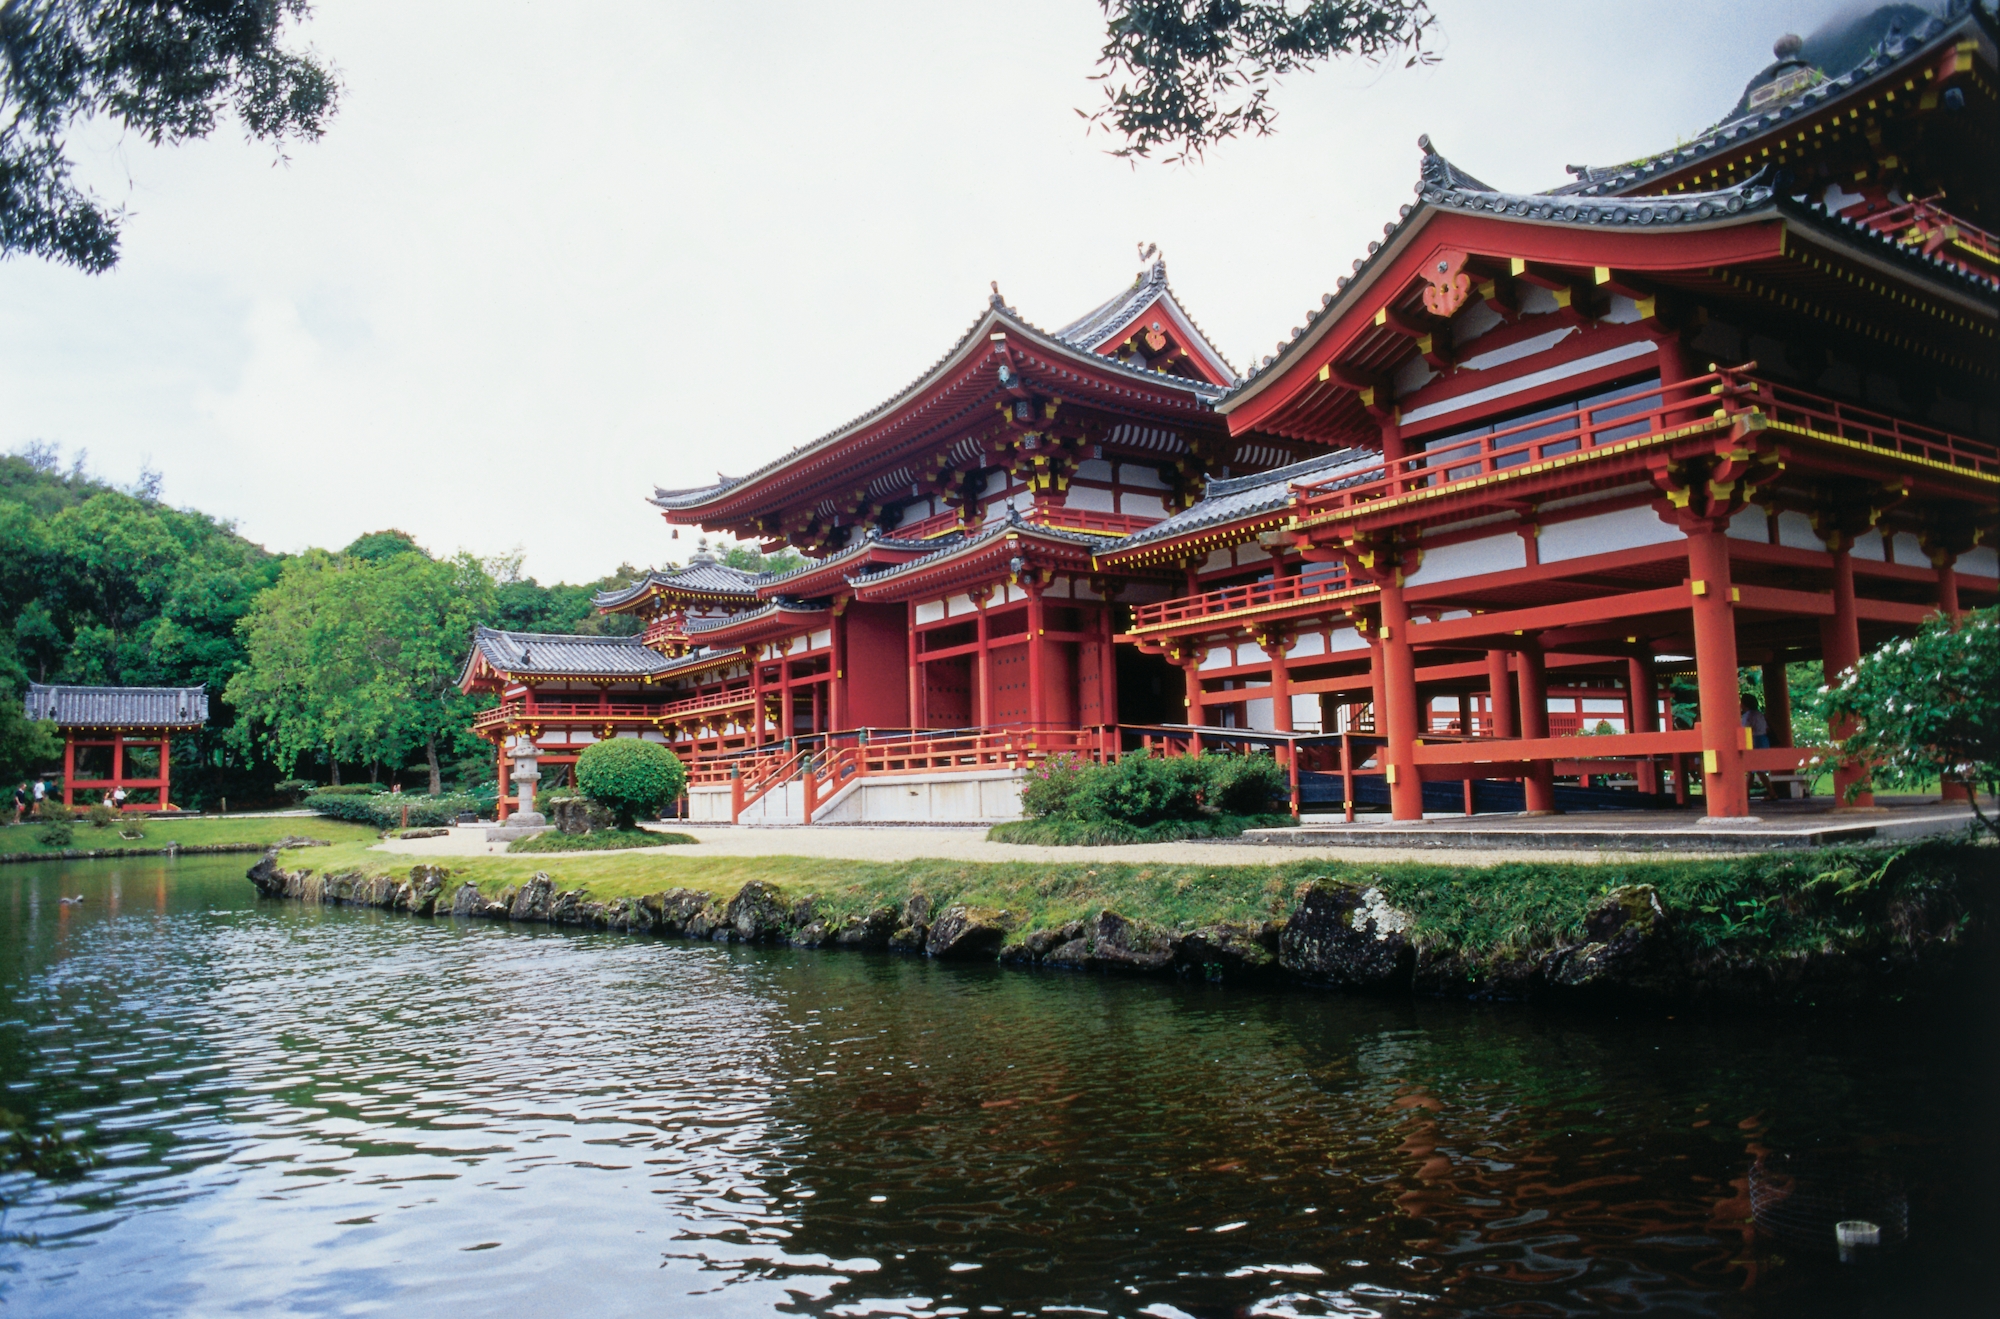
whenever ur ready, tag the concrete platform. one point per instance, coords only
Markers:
(1780, 825)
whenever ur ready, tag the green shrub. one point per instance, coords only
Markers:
(54, 812)
(1113, 833)
(56, 833)
(102, 816)
(597, 840)
(296, 789)
(630, 777)
(1244, 785)
(350, 790)
(1142, 790)
(384, 810)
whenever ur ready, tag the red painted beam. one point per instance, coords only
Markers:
(1680, 741)
(1574, 613)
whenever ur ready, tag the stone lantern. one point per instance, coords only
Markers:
(527, 759)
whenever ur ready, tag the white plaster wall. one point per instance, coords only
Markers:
(1058, 589)
(1258, 713)
(1091, 498)
(1309, 644)
(930, 611)
(1626, 529)
(1305, 714)
(1910, 550)
(1144, 475)
(1346, 638)
(822, 639)
(925, 799)
(1218, 657)
(1141, 505)
(958, 604)
(1471, 558)
(1094, 469)
(1251, 552)
(1217, 559)
(1796, 530)
(1981, 561)
(1750, 524)
(1251, 653)
(1868, 545)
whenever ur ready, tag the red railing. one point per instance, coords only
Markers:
(1237, 599)
(668, 631)
(1083, 519)
(1831, 417)
(1936, 231)
(592, 711)
(938, 524)
(1730, 392)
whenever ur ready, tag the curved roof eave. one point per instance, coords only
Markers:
(998, 316)
(1443, 188)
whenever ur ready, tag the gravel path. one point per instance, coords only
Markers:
(896, 843)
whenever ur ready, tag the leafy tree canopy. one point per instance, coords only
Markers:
(1926, 707)
(1184, 75)
(382, 545)
(166, 72)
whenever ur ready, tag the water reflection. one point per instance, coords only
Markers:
(327, 1111)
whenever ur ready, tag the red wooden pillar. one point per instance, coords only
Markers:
(1644, 690)
(1500, 692)
(1840, 650)
(1399, 683)
(1946, 564)
(1107, 668)
(1539, 788)
(982, 672)
(1281, 683)
(1378, 687)
(1195, 715)
(166, 772)
(501, 776)
(69, 767)
(836, 682)
(917, 712)
(117, 763)
(1038, 705)
(754, 654)
(1725, 787)
(1778, 703)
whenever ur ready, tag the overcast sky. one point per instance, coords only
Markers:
(550, 255)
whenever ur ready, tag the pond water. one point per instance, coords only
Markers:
(318, 1111)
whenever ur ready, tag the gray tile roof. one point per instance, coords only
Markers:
(948, 546)
(1095, 326)
(1884, 49)
(555, 654)
(1246, 496)
(780, 605)
(1443, 186)
(997, 313)
(702, 575)
(119, 707)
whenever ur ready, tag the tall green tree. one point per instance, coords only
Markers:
(1185, 75)
(161, 72)
(357, 659)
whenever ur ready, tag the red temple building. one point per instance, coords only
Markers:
(119, 738)
(1537, 457)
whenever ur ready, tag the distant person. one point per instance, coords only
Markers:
(1754, 720)
(21, 802)
(41, 794)
(1760, 736)
(118, 797)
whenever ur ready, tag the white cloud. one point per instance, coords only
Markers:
(549, 255)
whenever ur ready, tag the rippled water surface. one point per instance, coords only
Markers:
(339, 1112)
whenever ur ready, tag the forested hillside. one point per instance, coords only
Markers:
(317, 664)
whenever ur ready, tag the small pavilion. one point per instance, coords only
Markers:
(119, 737)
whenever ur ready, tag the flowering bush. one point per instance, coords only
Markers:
(1049, 792)
(1926, 707)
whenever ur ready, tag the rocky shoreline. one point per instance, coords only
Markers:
(1340, 934)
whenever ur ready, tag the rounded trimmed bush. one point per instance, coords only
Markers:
(630, 778)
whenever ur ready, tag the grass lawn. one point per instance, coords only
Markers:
(1781, 900)
(194, 832)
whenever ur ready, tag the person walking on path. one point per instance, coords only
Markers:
(41, 794)
(21, 802)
